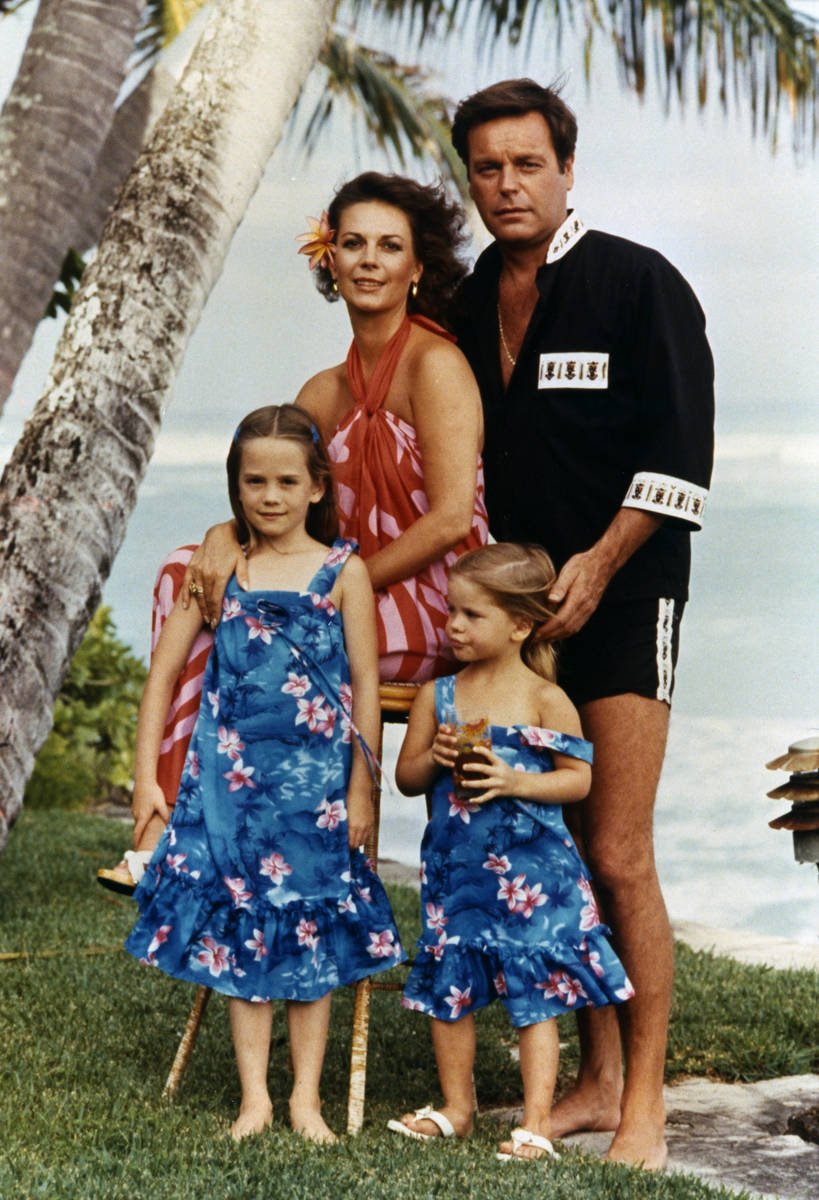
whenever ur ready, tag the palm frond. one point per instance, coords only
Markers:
(160, 23)
(762, 52)
(394, 102)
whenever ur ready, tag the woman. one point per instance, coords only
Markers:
(403, 423)
(401, 417)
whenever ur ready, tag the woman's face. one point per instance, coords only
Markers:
(375, 263)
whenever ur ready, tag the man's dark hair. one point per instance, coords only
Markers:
(515, 98)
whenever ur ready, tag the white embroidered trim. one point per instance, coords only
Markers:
(667, 496)
(574, 369)
(665, 662)
(564, 237)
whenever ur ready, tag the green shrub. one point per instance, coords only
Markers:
(89, 754)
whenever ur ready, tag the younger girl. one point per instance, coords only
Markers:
(506, 903)
(256, 887)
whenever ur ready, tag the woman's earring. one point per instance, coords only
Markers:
(414, 289)
(335, 287)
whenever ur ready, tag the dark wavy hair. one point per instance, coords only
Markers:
(518, 577)
(438, 236)
(516, 98)
(286, 421)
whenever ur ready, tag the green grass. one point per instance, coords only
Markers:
(88, 1039)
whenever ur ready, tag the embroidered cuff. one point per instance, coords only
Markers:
(667, 497)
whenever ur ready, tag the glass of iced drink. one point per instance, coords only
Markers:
(471, 731)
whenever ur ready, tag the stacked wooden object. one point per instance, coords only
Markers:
(802, 789)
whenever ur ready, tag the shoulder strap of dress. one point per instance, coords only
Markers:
(374, 395)
(444, 696)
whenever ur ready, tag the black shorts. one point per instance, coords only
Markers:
(624, 647)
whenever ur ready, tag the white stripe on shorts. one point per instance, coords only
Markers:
(665, 661)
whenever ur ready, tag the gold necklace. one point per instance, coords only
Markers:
(509, 353)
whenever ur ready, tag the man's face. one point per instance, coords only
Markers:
(516, 181)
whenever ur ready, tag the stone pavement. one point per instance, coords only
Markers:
(731, 1135)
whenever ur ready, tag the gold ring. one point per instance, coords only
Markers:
(195, 589)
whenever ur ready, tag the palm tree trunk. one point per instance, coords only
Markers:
(71, 483)
(52, 126)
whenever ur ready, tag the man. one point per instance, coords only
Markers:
(597, 385)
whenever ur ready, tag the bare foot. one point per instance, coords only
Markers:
(586, 1108)
(308, 1122)
(646, 1149)
(460, 1123)
(252, 1118)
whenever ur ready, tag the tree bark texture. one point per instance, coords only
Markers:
(52, 127)
(71, 483)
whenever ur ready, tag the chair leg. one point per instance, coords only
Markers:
(186, 1042)
(361, 1011)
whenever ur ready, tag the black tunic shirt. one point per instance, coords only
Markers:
(610, 404)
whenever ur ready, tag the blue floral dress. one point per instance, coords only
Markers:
(252, 888)
(506, 904)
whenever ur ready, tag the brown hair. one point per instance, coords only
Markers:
(518, 578)
(438, 236)
(286, 421)
(516, 98)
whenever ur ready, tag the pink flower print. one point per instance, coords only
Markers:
(275, 867)
(458, 999)
(307, 933)
(214, 957)
(347, 905)
(460, 808)
(498, 864)
(213, 697)
(345, 693)
(346, 728)
(626, 992)
(297, 685)
(572, 990)
(589, 916)
(551, 986)
(257, 943)
(192, 764)
(159, 939)
(435, 917)
(231, 607)
(531, 900)
(511, 891)
(238, 892)
(230, 743)
(258, 629)
(422, 872)
(329, 723)
(382, 944)
(239, 776)
(533, 736)
(332, 814)
(500, 983)
(175, 861)
(322, 602)
(312, 711)
(336, 554)
(413, 1005)
(585, 889)
(592, 958)
(364, 894)
(437, 951)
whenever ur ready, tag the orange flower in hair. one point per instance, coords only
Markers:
(318, 242)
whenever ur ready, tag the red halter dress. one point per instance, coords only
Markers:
(379, 481)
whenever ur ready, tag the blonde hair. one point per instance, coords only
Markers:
(518, 578)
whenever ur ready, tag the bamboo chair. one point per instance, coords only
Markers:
(396, 700)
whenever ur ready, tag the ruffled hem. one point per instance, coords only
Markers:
(299, 951)
(449, 980)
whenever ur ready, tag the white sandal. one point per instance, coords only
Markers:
(428, 1113)
(116, 879)
(525, 1137)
